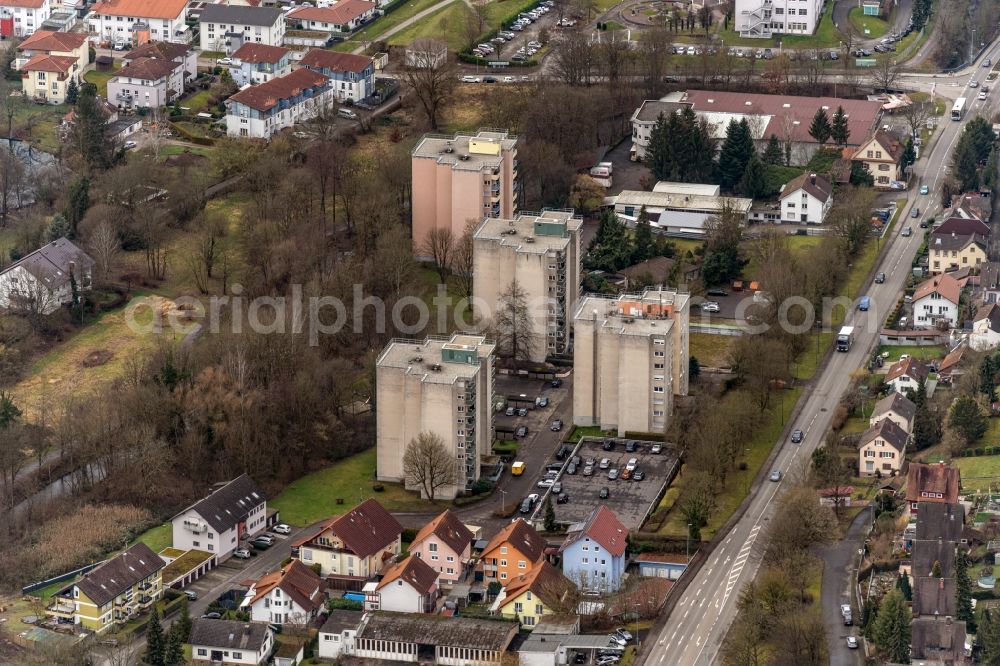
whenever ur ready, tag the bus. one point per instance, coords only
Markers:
(958, 110)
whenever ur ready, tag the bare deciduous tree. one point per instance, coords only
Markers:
(513, 324)
(440, 247)
(462, 260)
(429, 465)
(432, 87)
(104, 245)
(885, 74)
(916, 115)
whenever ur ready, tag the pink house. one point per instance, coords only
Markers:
(445, 544)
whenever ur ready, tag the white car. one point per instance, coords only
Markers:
(471, 79)
(508, 79)
(546, 483)
(129, 145)
(241, 554)
(982, 96)
(709, 306)
(282, 529)
(224, 61)
(852, 642)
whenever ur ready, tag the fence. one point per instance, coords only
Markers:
(69, 575)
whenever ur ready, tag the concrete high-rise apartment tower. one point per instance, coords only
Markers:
(767, 18)
(630, 357)
(439, 385)
(541, 251)
(460, 180)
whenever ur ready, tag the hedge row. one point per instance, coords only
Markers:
(981, 451)
(197, 140)
(646, 436)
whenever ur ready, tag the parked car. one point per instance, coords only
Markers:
(556, 383)
(129, 145)
(282, 528)
(242, 554)
(511, 411)
(212, 616)
(224, 61)
(562, 499)
(612, 474)
(608, 444)
(521, 432)
(542, 402)
(526, 505)
(624, 633)
(556, 488)
(468, 78)
(546, 483)
(605, 463)
(557, 425)
(626, 474)
(709, 306)
(852, 642)
(656, 448)
(638, 475)
(604, 493)
(631, 446)
(523, 411)
(615, 639)
(588, 470)
(797, 436)
(571, 469)
(191, 594)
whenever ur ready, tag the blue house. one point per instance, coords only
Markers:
(593, 555)
(352, 76)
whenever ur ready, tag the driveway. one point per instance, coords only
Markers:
(839, 561)
(900, 18)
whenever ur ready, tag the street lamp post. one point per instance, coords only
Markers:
(503, 501)
(687, 549)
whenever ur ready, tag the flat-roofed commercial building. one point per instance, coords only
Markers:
(678, 209)
(438, 385)
(459, 180)
(630, 357)
(541, 251)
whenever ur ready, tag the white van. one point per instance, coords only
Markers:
(347, 113)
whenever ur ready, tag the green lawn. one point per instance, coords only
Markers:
(579, 432)
(980, 466)
(198, 102)
(922, 353)
(174, 149)
(875, 26)
(826, 36)
(685, 245)
(314, 497)
(100, 79)
(737, 484)
(710, 350)
(157, 538)
(442, 24)
(375, 30)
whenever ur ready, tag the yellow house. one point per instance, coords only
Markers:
(113, 593)
(46, 42)
(953, 252)
(47, 77)
(355, 545)
(882, 157)
(530, 596)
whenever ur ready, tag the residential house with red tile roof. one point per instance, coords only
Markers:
(255, 63)
(262, 110)
(936, 301)
(341, 18)
(445, 544)
(961, 226)
(134, 22)
(291, 595)
(180, 54)
(146, 83)
(48, 77)
(356, 545)
(514, 550)
(593, 554)
(906, 374)
(528, 597)
(881, 449)
(21, 18)
(47, 42)
(353, 76)
(882, 157)
(936, 483)
(409, 586)
(806, 199)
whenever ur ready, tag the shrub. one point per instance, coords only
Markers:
(409, 534)
(339, 603)
(378, 487)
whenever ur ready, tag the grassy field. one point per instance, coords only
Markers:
(710, 350)
(88, 360)
(100, 79)
(685, 245)
(158, 537)
(378, 28)
(922, 353)
(314, 497)
(174, 149)
(580, 432)
(737, 484)
(198, 102)
(870, 27)
(979, 466)
(442, 24)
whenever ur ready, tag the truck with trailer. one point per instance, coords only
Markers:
(845, 338)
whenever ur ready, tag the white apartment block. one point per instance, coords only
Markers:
(132, 22)
(228, 27)
(444, 386)
(541, 251)
(21, 18)
(630, 357)
(767, 18)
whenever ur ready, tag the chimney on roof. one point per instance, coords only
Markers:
(72, 267)
(812, 178)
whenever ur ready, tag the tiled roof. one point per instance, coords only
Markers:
(162, 50)
(950, 361)
(230, 504)
(818, 186)
(47, 40)
(338, 14)
(890, 144)
(413, 571)
(50, 264)
(449, 529)
(267, 95)
(522, 537)
(544, 581)
(147, 69)
(862, 115)
(896, 402)
(29, 4)
(954, 242)
(945, 285)
(602, 526)
(340, 620)
(962, 226)
(296, 580)
(365, 529)
(240, 15)
(939, 640)
(254, 53)
(887, 430)
(335, 61)
(989, 311)
(910, 367)
(120, 573)
(42, 62)
(928, 553)
(438, 630)
(939, 521)
(936, 478)
(228, 634)
(935, 596)
(161, 9)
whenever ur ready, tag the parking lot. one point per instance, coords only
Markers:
(629, 499)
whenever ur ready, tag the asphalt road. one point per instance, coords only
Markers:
(694, 632)
(839, 560)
